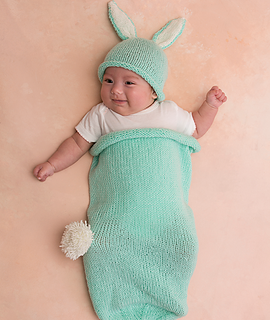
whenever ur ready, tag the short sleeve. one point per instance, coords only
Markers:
(188, 123)
(89, 127)
(177, 118)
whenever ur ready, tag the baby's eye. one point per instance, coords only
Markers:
(129, 83)
(108, 80)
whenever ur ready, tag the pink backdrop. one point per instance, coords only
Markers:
(49, 53)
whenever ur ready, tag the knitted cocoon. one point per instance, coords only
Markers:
(145, 248)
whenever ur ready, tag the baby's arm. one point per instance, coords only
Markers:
(205, 116)
(71, 150)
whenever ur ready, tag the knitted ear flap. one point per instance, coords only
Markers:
(122, 24)
(169, 33)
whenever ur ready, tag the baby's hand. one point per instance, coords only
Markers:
(215, 97)
(43, 171)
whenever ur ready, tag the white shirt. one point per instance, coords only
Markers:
(101, 120)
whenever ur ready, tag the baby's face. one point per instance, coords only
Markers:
(125, 92)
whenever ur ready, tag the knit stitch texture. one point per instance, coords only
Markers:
(145, 248)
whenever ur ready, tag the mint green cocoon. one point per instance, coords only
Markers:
(145, 244)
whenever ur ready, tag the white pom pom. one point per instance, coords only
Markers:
(76, 239)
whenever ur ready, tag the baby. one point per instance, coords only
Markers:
(126, 94)
(145, 246)
(133, 76)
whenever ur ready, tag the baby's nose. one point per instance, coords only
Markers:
(116, 89)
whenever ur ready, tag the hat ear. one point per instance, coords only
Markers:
(122, 24)
(169, 33)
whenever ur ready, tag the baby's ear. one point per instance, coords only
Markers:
(154, 95)
(169, 33)
(122, 24)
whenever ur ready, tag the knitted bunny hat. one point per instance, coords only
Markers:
(142, 56)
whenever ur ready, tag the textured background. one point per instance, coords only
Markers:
(49, 54)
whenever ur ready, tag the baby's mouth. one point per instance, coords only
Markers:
(118, 101)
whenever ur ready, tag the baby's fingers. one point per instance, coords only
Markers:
(37, 170)
(221, 96)
(40, 172)
(42, 177)
(215, 97)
